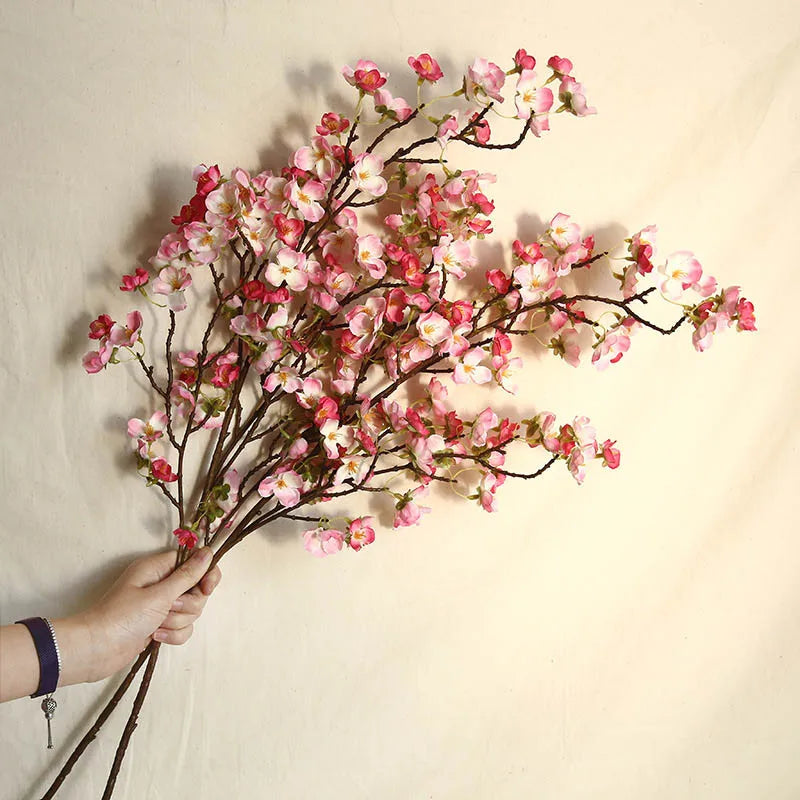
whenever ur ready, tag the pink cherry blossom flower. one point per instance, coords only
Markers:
(576, 464)
(448, 128)
(566, 346)
(362, 66)
(340, 284)
(453, 256)
(223, 203)
(426, 67)
(611, 349)
(501, 347)
(273, 351)
(225, 373)
(274, 192)
(407, 511)
(334, 437)
(251, 325)
(327, 409)
(481, 426)
(306, 199)
(486, 491)
(704, 333)
(233, 480)
(573, 98)
(182, 398)
(506, 372)
(609, 454)
(126, 335)
(100, 327)
(535, 280)
(353, 468)
(284, 377)
(172, 281)
(96, 360)
(288, 267)
(395, 107)
(332, 123)
(360, 532)
(204, 241)
(366, 174)
(324, 301)
(563, 233)
(132, 282)
(298, 448)
(369, 255)
(207, 178)
(278, 318)
(309, 393)
(151, 430)
(162, 471)
(526, 253)
(172, 247)
(317, 158)
(285, 487)
(422, 449)
(468, 370)
(529, 98)
(523, 61)
(681, 270)
(745, 316)
(433, 328)
(729, 299)
(415, 352)
(706, 286)
(288, 230)
(543, 431)
(185, 537)
(321, 542)
(642, 248)
(484, 80)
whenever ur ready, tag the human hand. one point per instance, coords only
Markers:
(148, 601)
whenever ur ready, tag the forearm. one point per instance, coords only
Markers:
(19, 664)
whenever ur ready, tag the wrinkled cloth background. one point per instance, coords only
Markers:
(637, 637)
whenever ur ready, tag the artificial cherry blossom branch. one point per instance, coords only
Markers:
(328, 320)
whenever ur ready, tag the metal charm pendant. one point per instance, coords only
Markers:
(49, 706)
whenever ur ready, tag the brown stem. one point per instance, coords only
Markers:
(98, 723)
(130, 726)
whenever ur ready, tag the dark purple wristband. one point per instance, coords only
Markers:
(47, 649)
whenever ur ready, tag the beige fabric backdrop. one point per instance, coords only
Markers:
(638, 637)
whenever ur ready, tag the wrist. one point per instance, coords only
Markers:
(80, 657)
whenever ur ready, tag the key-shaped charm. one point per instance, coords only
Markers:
(49, 707)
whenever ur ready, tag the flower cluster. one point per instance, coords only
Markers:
(322, 321)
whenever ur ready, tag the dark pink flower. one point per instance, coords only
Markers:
(610, 454)
(361, 533)
(746, 320)
(426, 67)
(499, 280)
(162, 471)
(225, 375)
(332, 123)
(207, 178)
(186, 538)
(288, 230)
(132, 282)
(100, 327)
(254, 290)
(368, 80)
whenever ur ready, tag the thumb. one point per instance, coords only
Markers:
(185, 576)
